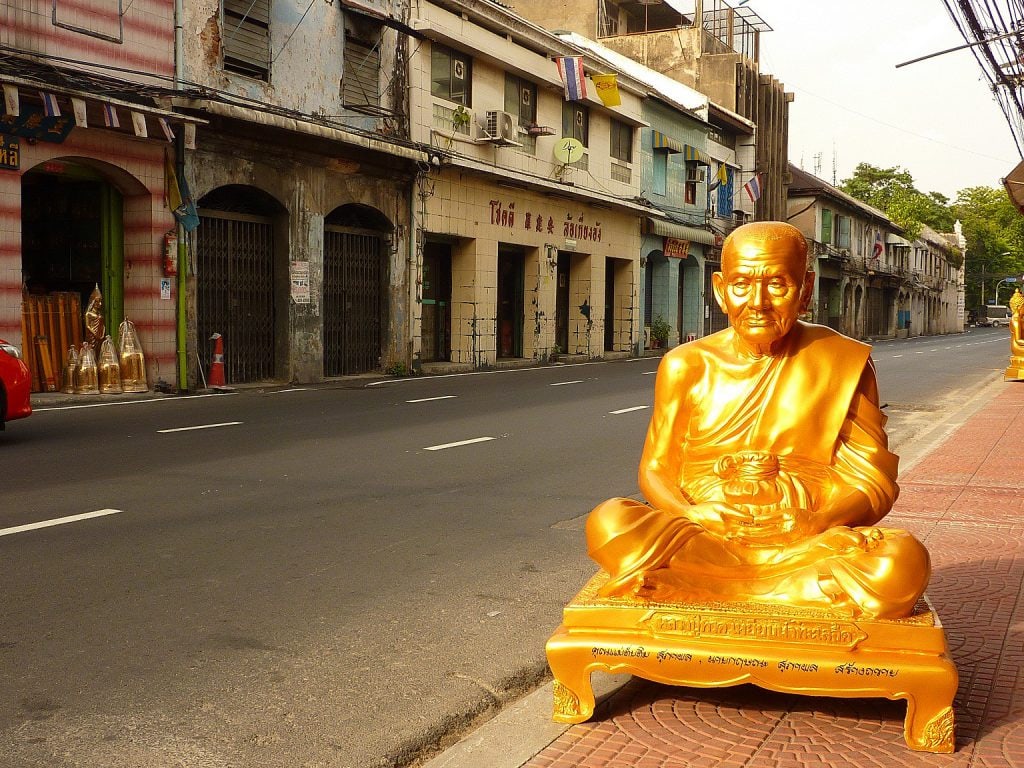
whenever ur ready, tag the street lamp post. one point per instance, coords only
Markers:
(1004, 280)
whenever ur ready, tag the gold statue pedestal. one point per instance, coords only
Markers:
(791, 650)
(1015, 371)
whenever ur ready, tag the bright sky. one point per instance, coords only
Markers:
(936, 118)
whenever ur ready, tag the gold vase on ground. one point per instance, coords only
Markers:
(87, 381)
(109, 369)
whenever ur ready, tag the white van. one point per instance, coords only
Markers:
(995, 315)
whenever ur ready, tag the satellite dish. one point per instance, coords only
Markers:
(568, 150)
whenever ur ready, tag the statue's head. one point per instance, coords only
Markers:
(764, 284)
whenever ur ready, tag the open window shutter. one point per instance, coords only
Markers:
(360, 83)
(247, 37)
(826, 226)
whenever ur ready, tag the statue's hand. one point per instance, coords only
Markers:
(779, 526)
(718, 518)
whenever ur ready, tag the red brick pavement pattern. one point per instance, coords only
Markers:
(966, 502)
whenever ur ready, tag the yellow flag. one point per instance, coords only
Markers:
(172, 192)
(723, 173)
(607, 89)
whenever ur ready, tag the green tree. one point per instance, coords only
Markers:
(994, 231)
(892, 191)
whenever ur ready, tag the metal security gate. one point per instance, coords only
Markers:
(235, 292)
(714, 318)
(355, 281)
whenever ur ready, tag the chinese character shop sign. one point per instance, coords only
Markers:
(676, 249)
(572, 227)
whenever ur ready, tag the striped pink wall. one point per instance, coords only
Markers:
(148, 32)
(136, 168)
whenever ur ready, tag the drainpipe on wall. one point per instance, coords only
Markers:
(414, 274)
(179, 169)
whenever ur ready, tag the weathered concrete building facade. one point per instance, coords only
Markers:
(870, 280)
(711, 46)
(303, 177)
(526, 249)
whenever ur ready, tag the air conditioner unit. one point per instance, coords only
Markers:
(500, 128)
(695, 174)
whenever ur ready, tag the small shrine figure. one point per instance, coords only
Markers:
(94, 326)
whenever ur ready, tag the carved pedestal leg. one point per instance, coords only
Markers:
(573, 694)
(930, 721)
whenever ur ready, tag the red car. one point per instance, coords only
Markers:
(15, 385)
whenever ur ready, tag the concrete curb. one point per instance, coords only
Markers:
(919, 446)
(519, 731)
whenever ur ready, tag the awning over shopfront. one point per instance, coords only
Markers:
(679, 231)
(661, 141)
(694, 155)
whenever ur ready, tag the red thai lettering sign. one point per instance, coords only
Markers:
(676, 249)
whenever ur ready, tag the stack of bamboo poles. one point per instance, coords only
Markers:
(49, 326)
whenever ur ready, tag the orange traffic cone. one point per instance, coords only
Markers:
(217, 364)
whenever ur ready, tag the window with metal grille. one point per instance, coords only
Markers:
(575, 121)
(246, 34)
(521, 101)
(450, 75)
(621, 147)
(360, 80)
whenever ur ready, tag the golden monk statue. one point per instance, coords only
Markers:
(766, 465)
(1015, 371)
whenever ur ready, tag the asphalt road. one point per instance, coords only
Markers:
(317, 577)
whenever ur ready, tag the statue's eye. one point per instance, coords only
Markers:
(741, 286)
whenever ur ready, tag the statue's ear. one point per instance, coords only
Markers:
(807, 292)
(718, 286)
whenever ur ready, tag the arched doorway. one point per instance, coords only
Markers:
(235, 280)
(355, 285)
(73, 212)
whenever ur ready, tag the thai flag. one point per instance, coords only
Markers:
(753, 188)
(110, 118)
(50, 106)
(570, 69)
(879, 248)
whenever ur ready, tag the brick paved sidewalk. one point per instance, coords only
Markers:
(965, 501)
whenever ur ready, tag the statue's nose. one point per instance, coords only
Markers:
(760, 296)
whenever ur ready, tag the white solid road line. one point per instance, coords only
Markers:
(57, 521)
(457, 444)
(428, 399)
(563, 383)
(648, 373)
(290, 389)
(199, 426)
(130, 402)
(628, 410)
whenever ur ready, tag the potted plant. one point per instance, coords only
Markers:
(460, 118)
(659, 332)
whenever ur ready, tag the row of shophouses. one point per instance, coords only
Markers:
(390, 186)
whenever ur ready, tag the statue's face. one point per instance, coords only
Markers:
(763, 290)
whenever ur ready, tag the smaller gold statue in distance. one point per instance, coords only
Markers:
(766, 470)
(1015, 371)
